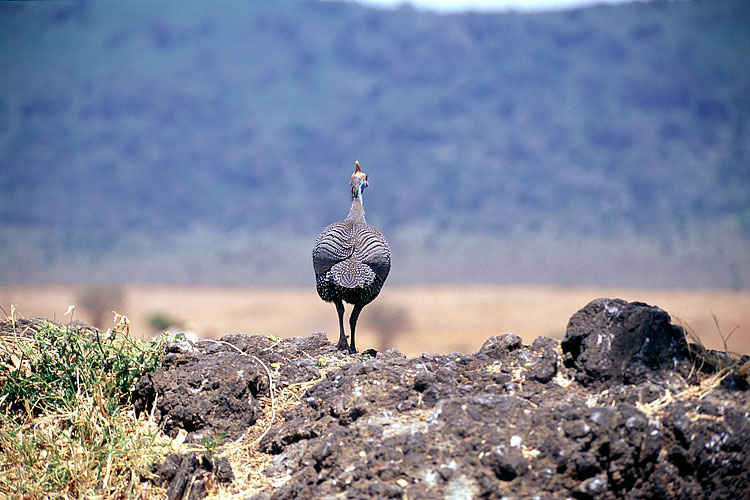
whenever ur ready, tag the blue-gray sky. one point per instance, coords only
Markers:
(457, 5)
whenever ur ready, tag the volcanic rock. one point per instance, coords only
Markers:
(609, 414)
(613, 340)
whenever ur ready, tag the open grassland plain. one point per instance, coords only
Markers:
(412, 319)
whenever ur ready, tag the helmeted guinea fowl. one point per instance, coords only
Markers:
(351, 260)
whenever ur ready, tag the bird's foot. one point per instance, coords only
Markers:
(343, 345)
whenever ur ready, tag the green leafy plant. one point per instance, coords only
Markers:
(212, 442)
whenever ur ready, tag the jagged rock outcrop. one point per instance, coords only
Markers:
(617, 410)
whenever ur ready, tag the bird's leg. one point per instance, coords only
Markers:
(343, 345)
(353, 324)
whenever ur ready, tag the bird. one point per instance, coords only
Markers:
(351, 260)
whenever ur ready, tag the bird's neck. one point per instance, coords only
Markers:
(356, 211)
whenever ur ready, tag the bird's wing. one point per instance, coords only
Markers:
(334, 244)
(372, 249)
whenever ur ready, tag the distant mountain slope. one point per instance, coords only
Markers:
(136, 122)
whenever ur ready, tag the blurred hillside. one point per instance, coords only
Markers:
(211, 141)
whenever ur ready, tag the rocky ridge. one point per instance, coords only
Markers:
(623, 407)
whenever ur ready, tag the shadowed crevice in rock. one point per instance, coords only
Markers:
(186, 475)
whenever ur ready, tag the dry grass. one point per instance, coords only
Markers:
(709, 367)
(695, 392)
(66, 428)
(439, 319)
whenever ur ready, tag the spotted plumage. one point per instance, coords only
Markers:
(351, 260)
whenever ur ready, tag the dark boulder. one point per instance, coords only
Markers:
(611, 340)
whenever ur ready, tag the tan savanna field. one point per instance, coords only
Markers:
(437, 319)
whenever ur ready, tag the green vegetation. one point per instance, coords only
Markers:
(67, 429)
(203, 136)
(211, 443)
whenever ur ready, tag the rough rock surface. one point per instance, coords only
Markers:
(615, 411)
(203, 392)
(613, 340)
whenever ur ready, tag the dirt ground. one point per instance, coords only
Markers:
(413, 319)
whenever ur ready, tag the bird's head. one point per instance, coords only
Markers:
(359, 181)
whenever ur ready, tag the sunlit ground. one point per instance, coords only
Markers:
(413, 319)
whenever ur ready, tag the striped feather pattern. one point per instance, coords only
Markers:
(351, 255)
